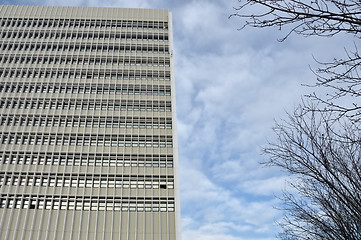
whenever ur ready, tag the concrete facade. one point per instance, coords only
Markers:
(88, 144)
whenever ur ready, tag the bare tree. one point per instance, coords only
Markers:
(319, 144)
(341, 77)
(322, 18)
(324, 161)
(308, 18)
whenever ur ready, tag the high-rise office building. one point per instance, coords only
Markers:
(87, 121)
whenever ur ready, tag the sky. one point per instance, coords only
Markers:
(231, 85)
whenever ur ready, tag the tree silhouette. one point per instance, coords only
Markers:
(319, 144)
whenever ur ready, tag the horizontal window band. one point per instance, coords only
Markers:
(88, 175)
(87, 203)
(97, 23)
(91, 197)
(86, 74)
(114, 140)
(25, 87)
(85, 104)
(59, 59)
(43, 179)
(71, 46)
(56, 34)
(86, 159)
(96, 135)
(84, 121)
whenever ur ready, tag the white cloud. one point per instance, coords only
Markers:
(216, 208)
(215, 231)
(269, 186)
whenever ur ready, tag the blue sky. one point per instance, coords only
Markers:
(230, 87)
